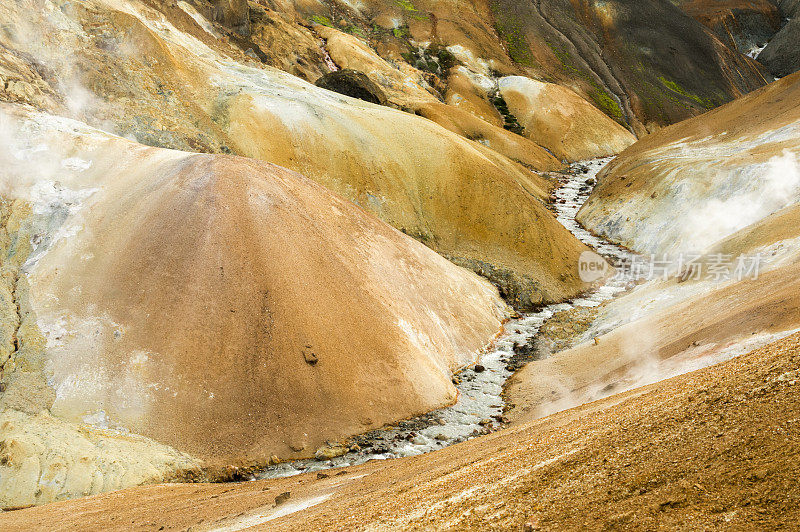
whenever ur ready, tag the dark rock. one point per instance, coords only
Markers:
(510, 122)
(310, 357)
(524, 353)
(741, 24)
(782, 54)
(354, 84)
(670, 68)
(479, 368)
(283, 497)
(789, 8)
(523, 293)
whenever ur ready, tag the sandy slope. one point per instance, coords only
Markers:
(229, 308)
(696, 183)
(715, 449)
(667, 328)
(154, 77)
(558, 119)
(726, 182)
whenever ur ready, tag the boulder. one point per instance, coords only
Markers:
(354, 84)
(329, 452)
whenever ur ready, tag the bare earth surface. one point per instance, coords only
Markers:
(714, 449)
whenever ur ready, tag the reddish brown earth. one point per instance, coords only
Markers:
(715, 449)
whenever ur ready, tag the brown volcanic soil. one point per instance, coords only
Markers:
(737, 23)
(715, 449)
(703, 325)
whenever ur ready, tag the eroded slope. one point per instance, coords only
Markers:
(227, 308)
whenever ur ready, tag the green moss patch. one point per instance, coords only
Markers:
(675, 87)
(322, 20)
(513, 34)
(411, 10)
(606, 103)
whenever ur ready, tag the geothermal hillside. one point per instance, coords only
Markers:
(399, 264)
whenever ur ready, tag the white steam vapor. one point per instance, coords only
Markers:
(48, 35)
(754, 194)
(639, 366)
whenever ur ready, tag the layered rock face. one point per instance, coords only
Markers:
(688, 187)
(222, 310)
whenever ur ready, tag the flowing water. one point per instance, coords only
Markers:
(479, 408)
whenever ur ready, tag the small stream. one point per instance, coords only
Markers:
(479, 409)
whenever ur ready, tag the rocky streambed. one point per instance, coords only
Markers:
(480, 406)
